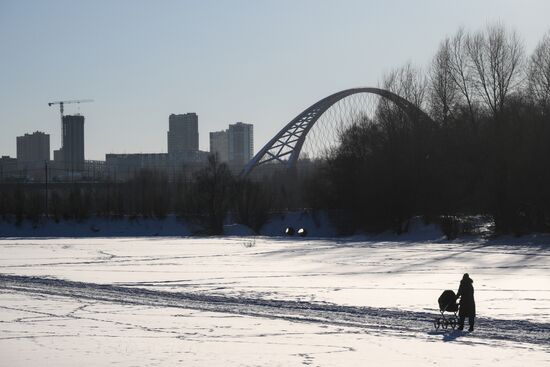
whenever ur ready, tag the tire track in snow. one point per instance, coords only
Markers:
(370, 318)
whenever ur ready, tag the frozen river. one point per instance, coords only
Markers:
(237, 301)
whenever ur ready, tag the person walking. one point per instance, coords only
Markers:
(467, 303)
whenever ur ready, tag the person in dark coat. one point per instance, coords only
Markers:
(467, 303)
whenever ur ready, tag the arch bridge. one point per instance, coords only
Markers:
(286, 146)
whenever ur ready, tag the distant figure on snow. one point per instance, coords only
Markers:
(467, 303)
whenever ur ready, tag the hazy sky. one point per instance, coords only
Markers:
(255, 61)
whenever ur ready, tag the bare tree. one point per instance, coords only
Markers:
(211, 195)
(407, 81)
(460, 69)
(539, 73)
(497, 57)
(443, 91)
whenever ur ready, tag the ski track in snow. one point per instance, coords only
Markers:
(369, 318)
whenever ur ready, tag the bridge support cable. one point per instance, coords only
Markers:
(332, 115)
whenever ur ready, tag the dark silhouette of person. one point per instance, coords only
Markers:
(467, 303)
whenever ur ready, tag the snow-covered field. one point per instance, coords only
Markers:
(266, 302)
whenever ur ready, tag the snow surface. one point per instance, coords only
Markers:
(97, 227)
(234, 301)
(317, 224)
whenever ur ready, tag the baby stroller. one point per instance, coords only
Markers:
(447, 303)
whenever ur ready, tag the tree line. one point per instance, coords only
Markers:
(485, 150)
(204, 201)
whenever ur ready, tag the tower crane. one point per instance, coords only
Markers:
(61, 109)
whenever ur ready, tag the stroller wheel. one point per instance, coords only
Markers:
(453, 322)
(437, 324)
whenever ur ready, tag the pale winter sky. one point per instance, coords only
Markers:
(254, 61)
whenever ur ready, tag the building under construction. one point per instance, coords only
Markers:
(71, 153)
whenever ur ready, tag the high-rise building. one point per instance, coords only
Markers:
(183, 133)
(240, 143)
(219, 144)
(72, 149)
(33, 147)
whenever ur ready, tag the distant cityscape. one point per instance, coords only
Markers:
(233, 146)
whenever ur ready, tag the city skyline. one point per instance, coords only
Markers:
(226, 61)
(184, 139)
(166, 149)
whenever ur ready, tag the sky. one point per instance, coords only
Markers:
(255, 61)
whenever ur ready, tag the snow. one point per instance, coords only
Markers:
(237, 230)
(97, 227)
(232, 301)
(317, 224)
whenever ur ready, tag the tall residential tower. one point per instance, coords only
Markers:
(183, 133)
(72, 149)
(33, 147)
(240, 143)
(219, 144)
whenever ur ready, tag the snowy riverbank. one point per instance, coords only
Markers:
(317, 225)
